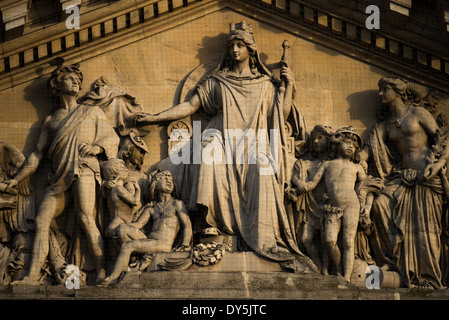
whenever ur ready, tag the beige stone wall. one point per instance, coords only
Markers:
(332, 88)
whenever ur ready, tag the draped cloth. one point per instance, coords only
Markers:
(407, 218)
(116, 103)
(84, 124)
(244, 198)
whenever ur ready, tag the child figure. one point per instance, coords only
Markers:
(169, 217)
(123, 196)
(341, 174)
(308, 205)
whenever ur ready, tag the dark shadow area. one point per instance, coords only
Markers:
(38, 95)
(363, 106)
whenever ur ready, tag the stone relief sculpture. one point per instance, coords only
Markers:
(243, 199)
(122, 197)
(169, 216)
(16, 216)
(382, 200)
(132, 150)
(407, 215)
(72, 137)
(341, 213)
(308, 205)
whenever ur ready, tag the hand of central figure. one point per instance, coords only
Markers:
(87, 149)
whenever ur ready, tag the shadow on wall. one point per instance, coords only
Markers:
(363, 106)
(38, 94)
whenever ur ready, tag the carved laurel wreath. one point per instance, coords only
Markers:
(206, 254)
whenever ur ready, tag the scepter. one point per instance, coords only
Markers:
(284, 59)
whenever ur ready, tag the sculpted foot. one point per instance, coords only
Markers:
(27, 281)
(107, 282)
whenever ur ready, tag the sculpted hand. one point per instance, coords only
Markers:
(87, 149)
(286, 74)
(432, 170)
(302, 187)
(364, 219)
(143, 118)
(444, 170)
(12, 186)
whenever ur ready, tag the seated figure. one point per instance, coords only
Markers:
(169, 217)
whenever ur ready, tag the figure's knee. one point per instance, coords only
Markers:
(42, 222)
(127, 247)
(87, 222)
(330, 243)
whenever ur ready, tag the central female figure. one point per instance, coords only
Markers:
(248, 109)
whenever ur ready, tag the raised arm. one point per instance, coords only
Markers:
(287, 75)
(129, 195)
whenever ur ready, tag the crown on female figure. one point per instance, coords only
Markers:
(233, 27)
(244, 32)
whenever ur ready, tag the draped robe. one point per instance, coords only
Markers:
(407, 217)
(240, 197)
(84, 124)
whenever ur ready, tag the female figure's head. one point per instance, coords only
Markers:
(65, 80)
(391, 88)
(239, 42)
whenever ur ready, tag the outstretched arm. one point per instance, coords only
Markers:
(179, 111)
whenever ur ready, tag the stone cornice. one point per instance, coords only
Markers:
(122, 23)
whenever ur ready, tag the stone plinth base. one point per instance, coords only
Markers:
(238, 276)
(230, 262)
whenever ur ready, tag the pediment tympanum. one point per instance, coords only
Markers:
(335, 150)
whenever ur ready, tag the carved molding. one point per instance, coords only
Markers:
(14, 13)
(120, 25)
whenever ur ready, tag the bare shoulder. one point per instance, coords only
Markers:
(178, 203)
(420, 111)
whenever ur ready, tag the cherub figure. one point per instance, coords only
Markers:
(169, 217)
(342, 213)
(122, 196)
